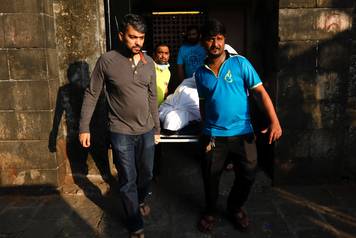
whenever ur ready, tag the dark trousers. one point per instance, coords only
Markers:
(242, 152)
(133, 157)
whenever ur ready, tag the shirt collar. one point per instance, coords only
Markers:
(162, 67)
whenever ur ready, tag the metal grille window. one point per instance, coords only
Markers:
(170, 27)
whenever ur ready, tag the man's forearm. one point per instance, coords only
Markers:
(264, 101)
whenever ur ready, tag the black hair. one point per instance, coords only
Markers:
(193, 27)
(136, 21)
(161, 44)
(213, 27)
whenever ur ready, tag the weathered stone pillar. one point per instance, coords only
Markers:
(28, 78)
(312, 95)
(350, 136)
(80, 36)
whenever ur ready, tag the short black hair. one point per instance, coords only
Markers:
(213, 27)
(193, 27)
(161, 44)
(136, 21)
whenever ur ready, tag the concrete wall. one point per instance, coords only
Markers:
(314, 99)
(28, 78)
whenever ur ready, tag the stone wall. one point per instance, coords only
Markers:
(350, 148)
(28, 78)
(80, 36)
(314, 99)
(39, 39)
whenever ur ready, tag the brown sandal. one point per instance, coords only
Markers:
(240, 220)
(206, 223)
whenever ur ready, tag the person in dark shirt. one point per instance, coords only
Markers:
(130, 83)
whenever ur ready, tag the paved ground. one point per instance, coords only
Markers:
(289, 212)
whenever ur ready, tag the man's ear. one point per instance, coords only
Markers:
(121, 36)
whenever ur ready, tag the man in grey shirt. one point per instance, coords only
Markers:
(130, 83)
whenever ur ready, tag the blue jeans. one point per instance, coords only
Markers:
(133, 157)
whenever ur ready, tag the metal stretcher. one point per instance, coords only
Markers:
(188, 134)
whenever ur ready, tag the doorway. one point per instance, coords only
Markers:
(252, 30)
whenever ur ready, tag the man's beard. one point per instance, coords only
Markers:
(137, 49)
(215, 55)
(129, 51)
(162, 62)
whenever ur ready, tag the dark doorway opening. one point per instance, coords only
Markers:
(252, 27)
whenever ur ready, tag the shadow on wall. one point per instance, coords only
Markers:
(314, 87)
(69, 101)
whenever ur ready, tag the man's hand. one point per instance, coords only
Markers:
(84, 139)
(157, 139)
(275, 132)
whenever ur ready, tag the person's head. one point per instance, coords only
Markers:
(161, 54)
(213, 37)
(132, 32)
(192, 35)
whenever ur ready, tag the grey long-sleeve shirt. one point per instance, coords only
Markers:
(130, 93)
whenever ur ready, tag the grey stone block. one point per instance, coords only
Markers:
(335, 55)
(298, 56)
(310, 86)
(337, 4)
(297, 3)
(24, 31)
(295, 88)
(21, 177)
(52, 64)
(351, 112)
(331, 86)
(27, 64)
(326, 145)
(24, 95)
(31, 95)
(50, 31)
(294, 143)
(7, 6)
(27, 6)
(312, 115)
(300, 152)
(25, 125)
(313, 24)
(26, 155)
(350, 149)
(4, 69)
(48, 7)
(53, 91)
(7, 101)
(2, 32)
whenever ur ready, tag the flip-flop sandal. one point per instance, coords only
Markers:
(144, 209)
(137, 234)
(206, 224)
(240, 220)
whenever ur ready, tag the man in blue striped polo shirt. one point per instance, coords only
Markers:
(223, 84)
